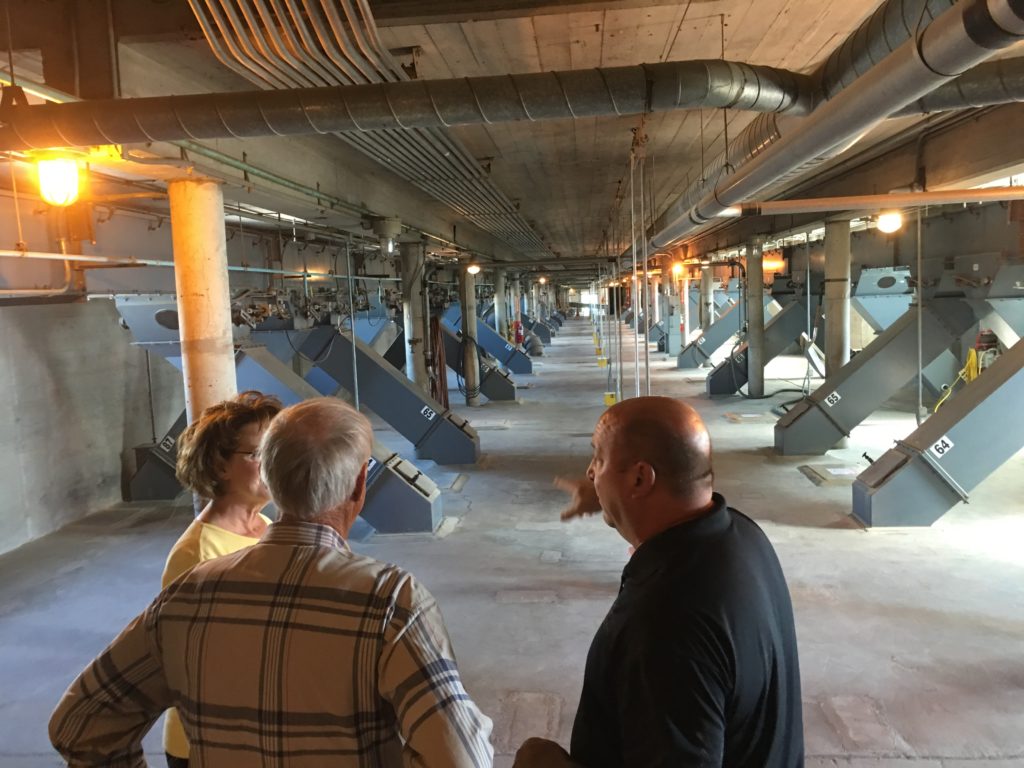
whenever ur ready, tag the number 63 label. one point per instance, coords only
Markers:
(940, 448)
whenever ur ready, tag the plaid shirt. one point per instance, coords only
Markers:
(294, 652)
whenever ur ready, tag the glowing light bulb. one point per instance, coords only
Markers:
(473, 269)
(890, 222)
(58, 180)
(677, 268)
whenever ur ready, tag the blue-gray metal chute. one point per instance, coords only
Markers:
(435, 432)
(780, 333)
(943, 460)
(399, 498)
(508, 355)
(716, 336)
(861, 386)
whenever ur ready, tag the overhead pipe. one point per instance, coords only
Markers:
(875, 202)
(960, 38)
(422, 103)
(890, 26)
(989, 84)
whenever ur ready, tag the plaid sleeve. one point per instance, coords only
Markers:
(439, 724)
(102, 717)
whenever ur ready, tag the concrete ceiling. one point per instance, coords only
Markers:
(566, 175)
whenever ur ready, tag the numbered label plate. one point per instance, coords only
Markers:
(941, 447)
(428, 413)
(509, 347)
(832, 398)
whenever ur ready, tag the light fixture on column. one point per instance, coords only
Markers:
(542, 280)
(889, 222)
(58, 179)
(473, 269)
(677, 269)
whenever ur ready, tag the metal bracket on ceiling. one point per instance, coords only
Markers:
(13, 96)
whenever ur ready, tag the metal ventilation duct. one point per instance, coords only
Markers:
(964, 36)
(407, 105)
(891, 25)
(988, 84)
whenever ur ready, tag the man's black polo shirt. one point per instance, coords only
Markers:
(696, 662)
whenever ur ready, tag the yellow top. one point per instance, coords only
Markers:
(200, 541)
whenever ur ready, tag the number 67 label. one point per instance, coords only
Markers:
(940, 448)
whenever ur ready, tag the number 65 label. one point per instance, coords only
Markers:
(832, 398)
(940, 448)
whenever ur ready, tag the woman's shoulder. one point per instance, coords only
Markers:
(186, 552)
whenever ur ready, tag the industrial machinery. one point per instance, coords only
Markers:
(506, 353)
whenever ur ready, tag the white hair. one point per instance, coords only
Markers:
(311, 456)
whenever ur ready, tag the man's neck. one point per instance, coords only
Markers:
(670, 514)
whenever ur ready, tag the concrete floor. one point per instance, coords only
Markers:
(910, 640)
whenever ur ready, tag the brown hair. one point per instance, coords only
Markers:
(211, 439)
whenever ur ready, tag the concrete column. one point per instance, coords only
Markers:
(755, 319)
(413, 255)
(204, 299)
(534, 303)
(684, 302)
(517, 300)
(837, 295)
(500, 305)
(470, 360)
(656, 293)
(707, 297)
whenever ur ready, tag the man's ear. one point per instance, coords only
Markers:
(643, 478)
(359, 491)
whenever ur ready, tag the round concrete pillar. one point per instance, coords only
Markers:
(500, 303)
(470, 360)
(707, 297)
(837, 295)
(204, 299)
(755, 319)
(413, 256)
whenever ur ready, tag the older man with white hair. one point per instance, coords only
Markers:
(294, 652)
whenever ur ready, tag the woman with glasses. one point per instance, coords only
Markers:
(218, 459)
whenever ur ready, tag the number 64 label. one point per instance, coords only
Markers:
(940, 448)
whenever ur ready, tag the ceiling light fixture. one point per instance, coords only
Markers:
(542, 280)
(677, 269)
(890, 222)
(58, 180)
(473, 269)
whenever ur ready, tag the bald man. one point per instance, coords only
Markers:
(696, 662)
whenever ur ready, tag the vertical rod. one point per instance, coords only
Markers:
(920, 325)
(618, 335)
(352, 325)
(647, 288)
(149, 390)
(635, 286)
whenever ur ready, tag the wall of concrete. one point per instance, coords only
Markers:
(77, 395)
(77, 401)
